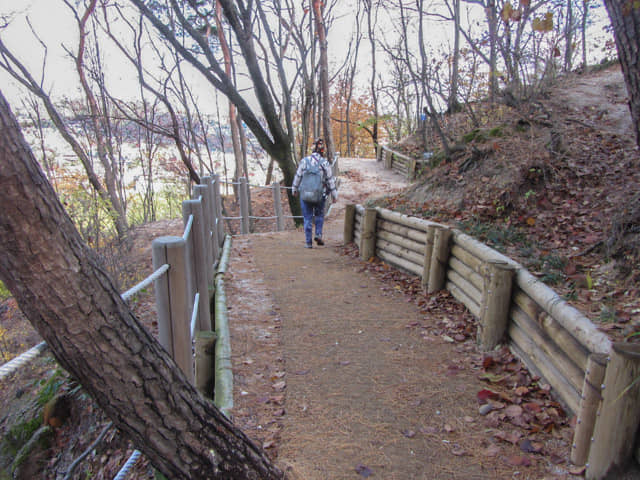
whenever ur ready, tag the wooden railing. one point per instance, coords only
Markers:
(404, 165)
(594, 379)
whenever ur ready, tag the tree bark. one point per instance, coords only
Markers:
(318, 8)
(625, 19)
(68, 298)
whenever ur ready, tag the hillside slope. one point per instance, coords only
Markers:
(555, 184)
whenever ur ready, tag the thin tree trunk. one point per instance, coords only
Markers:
(324, 78)
(374, 93)
(70, 301)
(109, 176)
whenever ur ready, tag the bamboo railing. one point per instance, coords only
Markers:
(594, 379)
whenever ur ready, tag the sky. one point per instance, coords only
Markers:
(54, 23)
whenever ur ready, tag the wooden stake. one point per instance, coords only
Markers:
(496, 300)
(349, 223)
(439, 258)
(617, 423)
(204, 362)
(368, 237)
(589, 402)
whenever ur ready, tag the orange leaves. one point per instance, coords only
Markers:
(544, 24)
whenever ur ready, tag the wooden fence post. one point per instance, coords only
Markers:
(244, 204)
(496, 301)
(219, 223)
(589, 402)
(411, 169)
(201, 261)
(428, 252)
(207, 223)
(388, 159)
(277, 206)
(439, 258)
(619, 416)
(174, 308)
(368, 236)
(349, 223)
(204, 349)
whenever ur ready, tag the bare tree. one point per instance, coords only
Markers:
(321, 29)
(12, 65)
(371, 10)
(243, 18)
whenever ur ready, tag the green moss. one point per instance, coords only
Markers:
(51, 387)
(471, 136)
(496, 131)
(4, 292)
(19, 435)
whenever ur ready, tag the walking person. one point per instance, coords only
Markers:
(314, 182)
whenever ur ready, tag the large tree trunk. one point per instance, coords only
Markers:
(92, 333)
(625, 18)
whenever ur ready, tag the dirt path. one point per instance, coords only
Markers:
(339, 377)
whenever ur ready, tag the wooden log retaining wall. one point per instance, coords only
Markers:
(553, 339)
(398, 162)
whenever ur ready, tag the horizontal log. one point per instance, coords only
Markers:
(466, 257)
(463, 298)
(479, 250)
(570, 318)
(402, 219)
(575, 350)
(468, 273)
(539, 365)
(400, 252)
(402, 241)
(396, 154)
(411, 233)
(467, 287)
(399, 262)
(569, 370)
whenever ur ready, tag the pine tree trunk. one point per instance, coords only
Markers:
(75, 307)
(625, 19)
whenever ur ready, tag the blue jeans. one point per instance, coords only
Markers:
(309, 211)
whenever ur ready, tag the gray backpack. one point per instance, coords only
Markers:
(312, 182)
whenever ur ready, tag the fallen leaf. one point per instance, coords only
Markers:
(576, 470)
(363, 471)
(518, 461)
(510, 437)
(458, 451)
(513, 411)
(279, 386)
(276, 399)
(527, 446)
(492, 450)
(484, 396)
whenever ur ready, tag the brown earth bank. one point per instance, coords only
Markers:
(333, 384)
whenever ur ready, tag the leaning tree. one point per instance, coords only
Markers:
(75, 306)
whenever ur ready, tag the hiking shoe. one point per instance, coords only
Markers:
(309, 245)
(319, 241)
